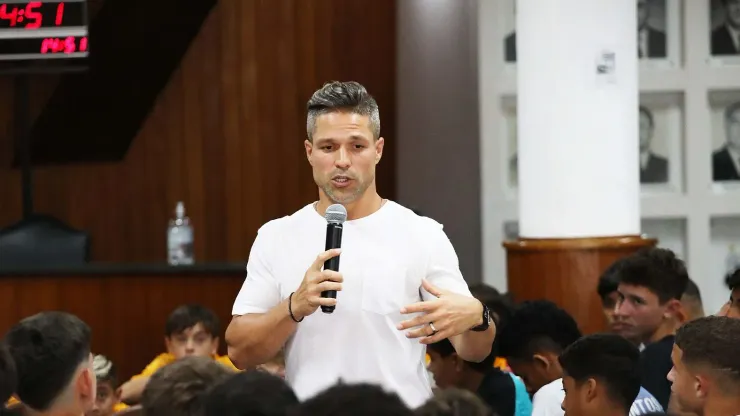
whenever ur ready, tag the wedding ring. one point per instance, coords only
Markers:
(434, 330)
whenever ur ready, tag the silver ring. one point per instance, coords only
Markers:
(434, 330)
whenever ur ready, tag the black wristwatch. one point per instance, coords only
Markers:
(486, 320)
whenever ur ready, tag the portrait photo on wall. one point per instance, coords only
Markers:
(724, 36)
(652, 41)
(657, 24)
(660, 142)
(725, 137)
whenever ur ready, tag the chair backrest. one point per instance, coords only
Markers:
(136, 410)
(42, 240)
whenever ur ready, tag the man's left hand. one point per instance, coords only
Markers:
(449, 314)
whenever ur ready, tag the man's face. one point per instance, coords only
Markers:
(733, 128)
(107, 398)
(642, 13)
(343, 155)
(731, 309)
(608, 304)
(686, 386)
(646, 131)
(444, 369)
(732, 9)
(638, 312)
(194, 341)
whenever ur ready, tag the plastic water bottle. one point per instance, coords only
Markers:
(732, 261)
(180, 238)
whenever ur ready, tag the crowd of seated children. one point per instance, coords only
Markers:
(190, 331)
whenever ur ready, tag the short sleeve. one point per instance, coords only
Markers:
(260, 291)
(443, 268)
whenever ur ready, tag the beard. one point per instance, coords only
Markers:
(345, 195)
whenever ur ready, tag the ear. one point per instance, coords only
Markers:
(459, 363)
(673, 309)
(168, 344)
(86, 385)
(589, 389)
(309, 150)
(214, 345)
(701, 387)
(541, 362)
(379, 144)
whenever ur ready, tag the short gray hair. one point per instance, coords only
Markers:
(336, 96)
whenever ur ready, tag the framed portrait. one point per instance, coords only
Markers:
(507, 25)
(724, 32)
(725, 155)
(658, 33)
(670, 232)
(660, 142)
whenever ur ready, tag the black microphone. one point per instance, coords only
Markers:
(335, 216)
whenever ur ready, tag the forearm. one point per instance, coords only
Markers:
(474, 346)
(254, 339)
(132, 390)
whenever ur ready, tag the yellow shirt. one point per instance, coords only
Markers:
(120, 406)
(166, 358)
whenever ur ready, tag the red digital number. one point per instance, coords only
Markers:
(83, 44)
(34, 17)
(49, 45)
(60, 14)
(66, 45)
(12, 16)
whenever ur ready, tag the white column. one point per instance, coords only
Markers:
(577, 128)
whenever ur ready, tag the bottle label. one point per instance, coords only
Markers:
(180, 245)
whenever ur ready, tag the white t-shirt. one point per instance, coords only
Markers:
(548, 399)
(384, 258)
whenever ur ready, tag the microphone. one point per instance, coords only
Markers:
(335, 216)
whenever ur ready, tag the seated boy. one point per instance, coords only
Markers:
(107, 402)
(191, 330)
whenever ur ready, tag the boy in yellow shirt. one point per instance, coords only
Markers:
(191, 330)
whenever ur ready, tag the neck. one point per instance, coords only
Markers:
(667, 327)
(722, 406)
(472, 380)
(363, 206)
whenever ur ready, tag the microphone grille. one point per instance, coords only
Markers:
(336, 213)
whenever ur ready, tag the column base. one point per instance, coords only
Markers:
(566, 271)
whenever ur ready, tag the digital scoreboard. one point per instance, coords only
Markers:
(36, 30)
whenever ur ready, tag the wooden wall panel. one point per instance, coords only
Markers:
(225, 135)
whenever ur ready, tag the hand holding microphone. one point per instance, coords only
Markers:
(319, 287)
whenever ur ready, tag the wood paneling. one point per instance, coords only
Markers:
(226, 133)
(126, 313)
(566, 272)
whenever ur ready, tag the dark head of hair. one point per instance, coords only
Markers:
(105, 371)
(499, 303)
(712, 342)
(658, 270)
(649, 114)
(349, 97)
(537, 326)
(188, 316)
(609, 280)
(692, 290)
(355, 399)
(180, 388)
(48, 349)
(732, 280)
(444, 348)
(250, 393)
(609, 359)
(8, 376)
(454, 402)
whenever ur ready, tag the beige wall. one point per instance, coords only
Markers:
(438, 162)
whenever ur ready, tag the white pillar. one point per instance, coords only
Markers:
(577, 129)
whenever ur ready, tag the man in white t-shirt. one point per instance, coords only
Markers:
(399, 284)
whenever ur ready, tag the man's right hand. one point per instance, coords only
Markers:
(308, 298)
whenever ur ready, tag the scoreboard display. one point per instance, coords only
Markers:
(35, 30)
